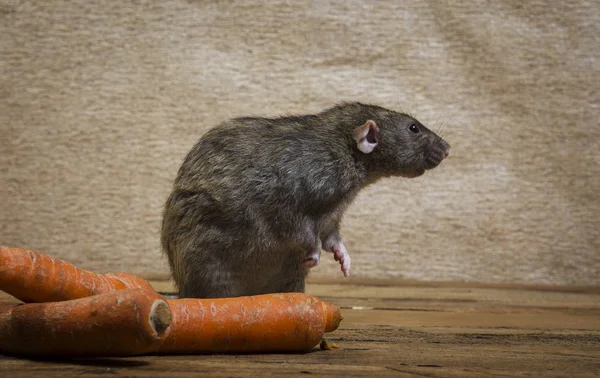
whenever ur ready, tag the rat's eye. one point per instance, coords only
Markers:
(414, 128)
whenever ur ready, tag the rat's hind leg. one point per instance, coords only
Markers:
(307, 239)
(204, 269)
(206, 283)
(291, 279)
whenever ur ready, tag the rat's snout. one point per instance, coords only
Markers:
(438, 150)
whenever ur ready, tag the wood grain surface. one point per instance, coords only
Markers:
(405, 329)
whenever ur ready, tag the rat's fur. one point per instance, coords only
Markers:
(254, 196)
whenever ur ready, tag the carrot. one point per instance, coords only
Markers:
(36, 277)
(262, 323)
(119, 323)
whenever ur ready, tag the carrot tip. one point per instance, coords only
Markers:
(160, 317)
(334, 316)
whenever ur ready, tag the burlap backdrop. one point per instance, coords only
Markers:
(101, 100)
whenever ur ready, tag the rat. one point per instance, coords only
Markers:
(256, 200)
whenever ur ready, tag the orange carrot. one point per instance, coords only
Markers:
(119, 323)
(262, 323)
(36, 277)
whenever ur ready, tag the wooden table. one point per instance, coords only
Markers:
(399, 328)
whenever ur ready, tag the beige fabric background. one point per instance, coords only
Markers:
(101, 100)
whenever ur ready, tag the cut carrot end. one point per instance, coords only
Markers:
(160, 317)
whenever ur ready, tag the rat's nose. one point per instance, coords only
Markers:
(446, 147)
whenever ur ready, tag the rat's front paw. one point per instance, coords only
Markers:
(341, 255)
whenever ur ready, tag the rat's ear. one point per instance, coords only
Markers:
(366, 136)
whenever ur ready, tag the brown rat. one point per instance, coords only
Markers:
(256, 199)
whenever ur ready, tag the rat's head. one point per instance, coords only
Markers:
(397, 144)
